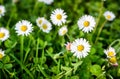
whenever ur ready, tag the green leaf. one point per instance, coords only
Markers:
(1, 65)
(35, 60)
(75, 77)
(93, 50)
(8, 66)
(50, 50)
(6, 59)
(67, 69)
(76, 65)
(96, 70)
(10, 44)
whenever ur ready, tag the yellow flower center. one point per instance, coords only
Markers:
(44, 26)
(2, 34)
(86, 23)
(1, 56)
(108, 16)
(40, 21)
(59, 16)
(113, 60)
(80, 47)
(24, 28)
(64, 31)
(110, 53)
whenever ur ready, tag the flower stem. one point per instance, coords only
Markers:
(100, 31)
(68, 37)
(100, 13)
(35, 7)
(117, 40)
(37, 50)
(21, 48)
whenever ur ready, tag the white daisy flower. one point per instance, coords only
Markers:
(109, 15)
(48, 2)
(58, 17)
(1, 54)
(86, 23)
(110, 52)
(80, 48)
(39, 21)
(23, 27)
(4, 34)
(2, 10)
(46, 26)
(63, 30)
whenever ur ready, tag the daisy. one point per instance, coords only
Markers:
(4, 34)
(46, 26)
(109, 15)
(48, 2)
(68, 45)
(1, 54)
(39, 21)
(86, 23)
(63, 30)
(23, 27)
(80, 48)
(2, 10)
(113, 61)
(110, 52)
(58, 17)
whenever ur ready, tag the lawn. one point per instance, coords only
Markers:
(59, 39)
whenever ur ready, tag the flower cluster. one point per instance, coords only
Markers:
(79, 47)
(111, 55)
(44, 24)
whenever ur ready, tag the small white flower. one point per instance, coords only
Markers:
(46, 26)
(109, 15)
(1, 54)
(39, 21)
(86, 23)
(63, 30)
(48, 2)
(80, 48)
(58, 17)
(23, 27)
(4, 34)
(2, 10)
(110, 52)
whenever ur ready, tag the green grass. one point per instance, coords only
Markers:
(44, 56)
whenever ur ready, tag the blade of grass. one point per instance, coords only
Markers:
(22, 66)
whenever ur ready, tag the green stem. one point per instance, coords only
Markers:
(40, 68)
(26, 70)
(42, 57)
(21, 48)
(100, 31)
(37, 50)
(28, 48)
(98, 19)
(117, 40)
(35, 7)
(68, 37)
